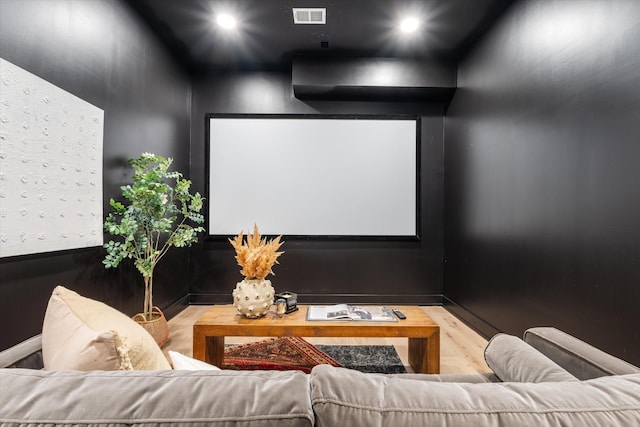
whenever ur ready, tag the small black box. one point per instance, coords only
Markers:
(290, 299)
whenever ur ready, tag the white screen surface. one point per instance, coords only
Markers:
(312, 176)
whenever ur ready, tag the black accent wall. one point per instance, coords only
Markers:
(542, 183)
(100, 51)
(324, 271)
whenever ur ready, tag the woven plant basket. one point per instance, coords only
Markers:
(158, 327)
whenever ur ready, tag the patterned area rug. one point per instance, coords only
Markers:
(293, 353)
(285, 353)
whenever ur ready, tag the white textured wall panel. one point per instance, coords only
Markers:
(50, 166)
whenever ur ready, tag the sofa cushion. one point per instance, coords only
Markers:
(576, 356)
(160, 398)
(350, 398)
(83, 334)
(513, 360)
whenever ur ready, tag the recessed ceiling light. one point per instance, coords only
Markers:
(409, 25)
(226, 21)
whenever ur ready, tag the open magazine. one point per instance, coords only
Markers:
(351, 312)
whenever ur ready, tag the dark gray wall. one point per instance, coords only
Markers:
(333, 270)
(542, 156)
(100, 51)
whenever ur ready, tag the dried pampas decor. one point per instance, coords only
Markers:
(257, 256)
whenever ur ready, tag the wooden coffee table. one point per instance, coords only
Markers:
(223, 320)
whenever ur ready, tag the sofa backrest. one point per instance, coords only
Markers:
(160, 398)
(342, 397)
(576, 356)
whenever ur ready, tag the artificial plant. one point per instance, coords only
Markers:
(159, 215)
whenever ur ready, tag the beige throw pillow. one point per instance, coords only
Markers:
(79, 333)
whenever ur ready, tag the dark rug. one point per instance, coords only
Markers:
(293, 353)
(366, 358)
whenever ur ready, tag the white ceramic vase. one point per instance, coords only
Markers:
(253, 298)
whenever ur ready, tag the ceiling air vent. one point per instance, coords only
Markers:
(307, 16)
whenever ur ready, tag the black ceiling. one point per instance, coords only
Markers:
(266, 38)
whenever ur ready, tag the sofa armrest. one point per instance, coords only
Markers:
(513, 360)
(576, 356)
(27, 354)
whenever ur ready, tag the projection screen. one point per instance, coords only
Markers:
(313, 176)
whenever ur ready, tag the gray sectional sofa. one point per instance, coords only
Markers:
(547, 379)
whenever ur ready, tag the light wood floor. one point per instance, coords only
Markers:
(461, 349)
